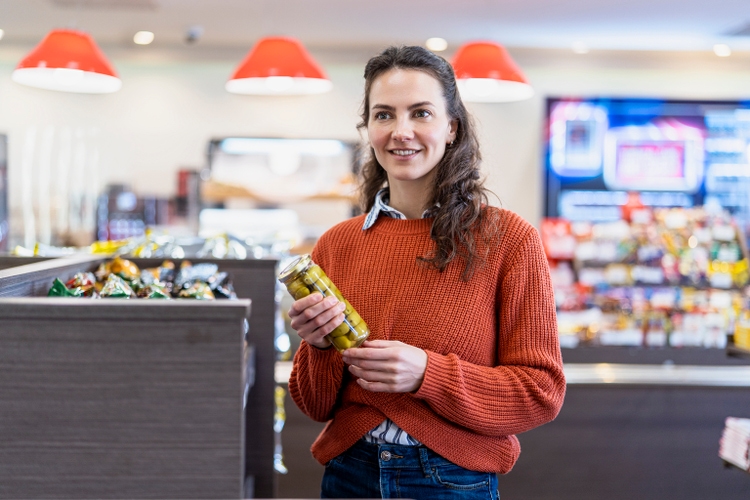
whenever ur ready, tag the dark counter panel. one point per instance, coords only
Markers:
(625, 442)
(252, 279)
(112, 398)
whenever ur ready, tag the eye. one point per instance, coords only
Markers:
(381, 115)
(422, 113)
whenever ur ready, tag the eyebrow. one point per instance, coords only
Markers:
(386, 107)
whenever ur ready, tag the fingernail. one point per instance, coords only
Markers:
(341, 306)
(331, 300)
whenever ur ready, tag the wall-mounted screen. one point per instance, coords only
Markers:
(672, 152)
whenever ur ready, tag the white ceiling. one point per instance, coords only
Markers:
(600, 24)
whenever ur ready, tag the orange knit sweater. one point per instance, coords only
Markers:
(494, 367)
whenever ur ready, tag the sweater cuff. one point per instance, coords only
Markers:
(322, 357)
(433, 385)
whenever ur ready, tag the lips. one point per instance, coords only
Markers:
(404, 152)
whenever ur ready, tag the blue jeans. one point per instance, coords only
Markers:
(391, 471)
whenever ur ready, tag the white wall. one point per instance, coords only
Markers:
(169, 108)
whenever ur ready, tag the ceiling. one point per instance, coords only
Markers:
(599, 24)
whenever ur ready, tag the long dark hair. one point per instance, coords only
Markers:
(459, 194)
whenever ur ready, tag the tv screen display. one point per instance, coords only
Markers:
(674, 153)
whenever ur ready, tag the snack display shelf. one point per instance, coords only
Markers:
(141, 398)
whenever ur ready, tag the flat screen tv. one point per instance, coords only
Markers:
(674, 153)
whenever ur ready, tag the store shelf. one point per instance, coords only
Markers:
(216, 192)
(627, 374)
(738, 352)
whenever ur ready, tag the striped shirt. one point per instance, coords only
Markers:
(381, 207)
(387, 432)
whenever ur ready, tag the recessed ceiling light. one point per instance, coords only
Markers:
(436, 44)
(143, 37)
(722, 50)
(580, 48)
(2, 32)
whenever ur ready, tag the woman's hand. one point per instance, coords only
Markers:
(313, 318)
(387, 366)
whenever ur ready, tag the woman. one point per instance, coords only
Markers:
(463, 351)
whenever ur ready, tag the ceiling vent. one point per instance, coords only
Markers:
(107, 4)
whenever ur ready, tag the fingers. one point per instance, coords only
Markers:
(374, 386)
(381, 350)
(384, 376)
(387, 366)
(299, 306)
(314, 317)
(314, 312)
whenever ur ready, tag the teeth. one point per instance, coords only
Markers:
(404, 152)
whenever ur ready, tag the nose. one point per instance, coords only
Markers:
(402, 131)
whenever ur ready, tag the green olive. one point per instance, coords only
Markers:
(353, 318)
(301, 293)
(340, 330)
(341, 343)
(357, 343)
(295, 285)
(349, 308)
(325, 280)
(322, 289)
(361, 331)
(313, 274)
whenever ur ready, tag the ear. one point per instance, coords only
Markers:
(452, 130)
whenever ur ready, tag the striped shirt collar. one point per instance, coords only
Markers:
(381, 207)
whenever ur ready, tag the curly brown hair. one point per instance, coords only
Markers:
(459, 196)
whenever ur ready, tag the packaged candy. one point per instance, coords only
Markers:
(189, 274)
(60, 290)
(153, 291)
(116, 288)
(198, 290)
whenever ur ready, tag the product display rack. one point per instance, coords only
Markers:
(255, 351)
(663, 278)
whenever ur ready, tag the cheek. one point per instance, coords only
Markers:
(377, 138)
(438, 139)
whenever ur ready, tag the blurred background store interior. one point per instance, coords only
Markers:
(632, 158)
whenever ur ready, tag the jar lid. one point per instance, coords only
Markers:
(295, 267)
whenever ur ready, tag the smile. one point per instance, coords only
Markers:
(403, 152)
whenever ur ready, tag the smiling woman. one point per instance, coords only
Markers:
(408, 130)
(463, 350)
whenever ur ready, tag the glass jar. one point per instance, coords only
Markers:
(303, 277)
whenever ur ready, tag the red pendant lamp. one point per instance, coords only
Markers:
(485, 72)
(69, 61)
(278, 66)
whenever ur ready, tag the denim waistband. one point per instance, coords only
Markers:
(394, 456)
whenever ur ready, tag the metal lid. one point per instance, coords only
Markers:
(295, 267)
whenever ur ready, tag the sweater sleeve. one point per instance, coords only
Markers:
(315, 381)
(527, 387)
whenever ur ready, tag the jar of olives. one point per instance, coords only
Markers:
(303, 277)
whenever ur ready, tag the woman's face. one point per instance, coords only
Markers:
(408, 126)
